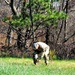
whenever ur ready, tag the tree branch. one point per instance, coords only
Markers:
(7, 2)
(13, 8)
(59, 32)
(18, 4)
(66, 39)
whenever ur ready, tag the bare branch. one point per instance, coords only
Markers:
(13, 8)
(7, 2)
(59, 32)
(66, 39)
(18, 4)
(11, 4)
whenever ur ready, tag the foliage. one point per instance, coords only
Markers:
(53, 54)
(40, 11)
(18, 21)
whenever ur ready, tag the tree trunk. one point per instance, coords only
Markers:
(66, 11)
(19, 39)
(31, 18)
(47, 34)
(9, 36)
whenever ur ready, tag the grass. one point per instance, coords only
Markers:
(25, 66)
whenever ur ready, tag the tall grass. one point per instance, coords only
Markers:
(25, 66)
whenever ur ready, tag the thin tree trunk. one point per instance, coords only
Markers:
(31, 18)
(19, 39)
(47, 34)
(59, 32)
(66, 11)
(9, 36)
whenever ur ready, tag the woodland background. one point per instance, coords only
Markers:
(23, 21)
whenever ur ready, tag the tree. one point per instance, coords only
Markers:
(33, 15)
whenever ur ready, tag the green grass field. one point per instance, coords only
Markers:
(25, 66)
